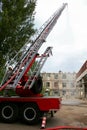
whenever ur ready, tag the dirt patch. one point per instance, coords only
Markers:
(73, 115)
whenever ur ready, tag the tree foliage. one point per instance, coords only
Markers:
(16, 26)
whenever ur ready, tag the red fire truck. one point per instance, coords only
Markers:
(29, 104)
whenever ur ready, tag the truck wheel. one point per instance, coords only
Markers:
(30, 114)
(8, 112)
(38, 85)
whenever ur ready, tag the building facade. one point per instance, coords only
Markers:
(81, 81)
(63, 84)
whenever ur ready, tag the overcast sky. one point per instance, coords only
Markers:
(68, 37)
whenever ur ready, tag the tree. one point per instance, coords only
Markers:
(16, 26)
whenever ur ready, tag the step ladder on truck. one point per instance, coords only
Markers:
(28, 105)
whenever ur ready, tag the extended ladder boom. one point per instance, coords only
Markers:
(38, 67)
(28, 57)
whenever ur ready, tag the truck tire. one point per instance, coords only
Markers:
(30, 114)
(8, 112)
(38, 85)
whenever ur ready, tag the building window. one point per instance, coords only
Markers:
(64, 76)
(64, 85)
(63, 92)
(47, 84)
(56, 76)
(48, 74)
(55, 84)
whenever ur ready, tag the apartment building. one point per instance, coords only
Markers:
(63, 84)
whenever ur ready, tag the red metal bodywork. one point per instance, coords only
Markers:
(44, 103)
